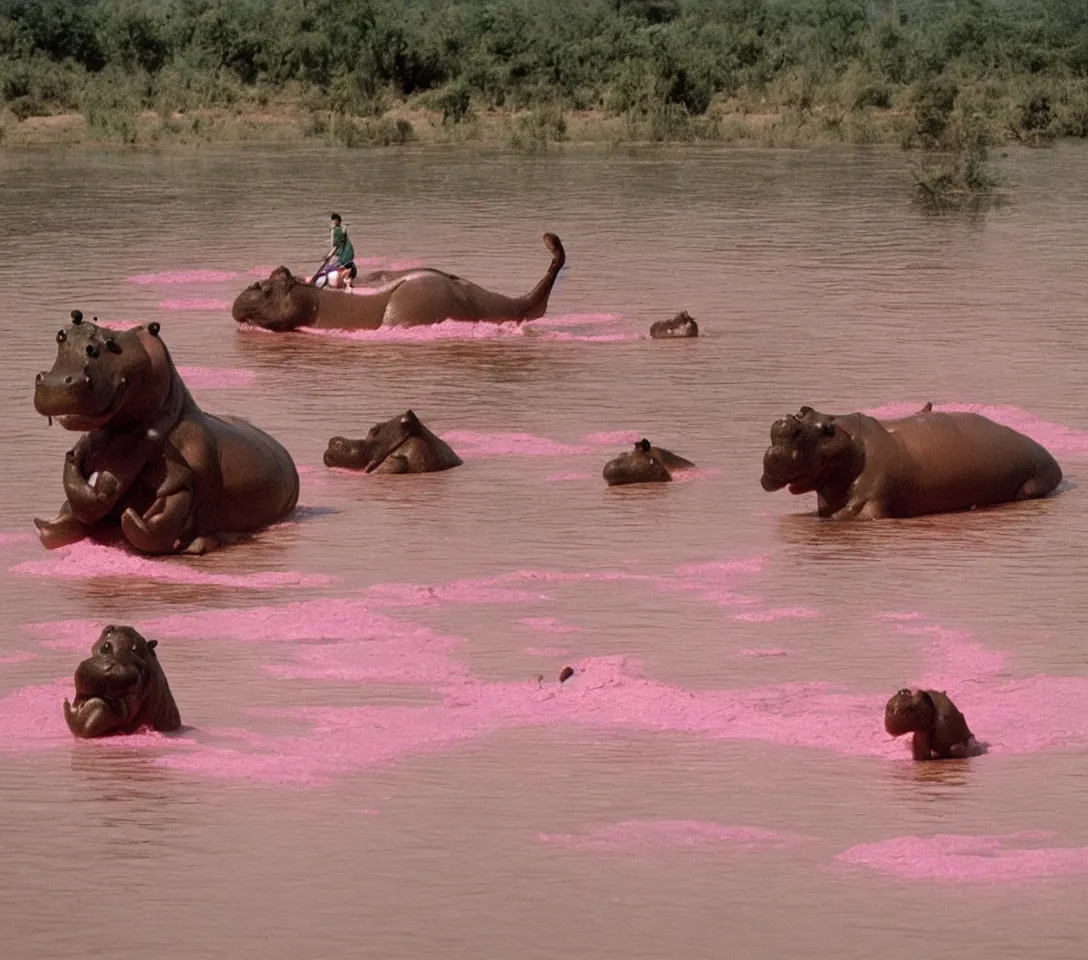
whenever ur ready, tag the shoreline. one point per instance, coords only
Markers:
(530, 130)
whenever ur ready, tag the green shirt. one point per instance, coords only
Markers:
(345, 252)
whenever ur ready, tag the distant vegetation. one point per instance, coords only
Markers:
(938, 75)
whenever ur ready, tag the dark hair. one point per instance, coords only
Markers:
(335, 216)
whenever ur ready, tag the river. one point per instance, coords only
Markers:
(378, 758)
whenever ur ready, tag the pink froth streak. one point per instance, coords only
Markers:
(6, 539)
(210, 378)
(639, 836)
(183, 276)
(957, 858)
(20, 656)
(473, 444)
(195, 304)
(562, 336)
(575, 320)
(1057, 438)
(87, 560)
(610, 437)
(567, 477)
(547, 651)
(548, 625)
(446, 330)
(778, 613)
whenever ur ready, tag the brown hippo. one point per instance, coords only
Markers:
(398, 445)
(644, 464)
(121, 688)
(929, 462)
(679, 327)
(389, 298)
(150, 460)
(939, 729)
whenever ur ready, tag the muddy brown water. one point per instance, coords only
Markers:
(814, 281)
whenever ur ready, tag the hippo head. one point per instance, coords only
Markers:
(101, 376)
(909, 711)
(383, 440)
(282, 302)
(640, 465)
(117, 674)
(681, 326)
(805, 449)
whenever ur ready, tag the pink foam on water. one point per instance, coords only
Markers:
(715, 581)
(567, 477)
(638, 836)
(259, 271)
(575, 320)
(183, 276)
(549, 625)
(7, 538)
(510, 444)
(562, 336)
(612, 437)
(898, 616)
(118, 324)
(770, 652)
(195, 304)
(957, 858)
(207, 378)
(20, 656)
(463, 591)
(547, 651)
(1056, 437)
(87, 560)
(429, 333)
(778, 613)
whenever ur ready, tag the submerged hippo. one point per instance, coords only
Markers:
(398, 445)
(644, 464)
(121, 688)
(389, 298)
(929, 462)
(150, 461)
(680, 326)
(939, 729)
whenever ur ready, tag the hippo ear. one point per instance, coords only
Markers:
(151, 645)
(77, 317)
(804, 411)
(643, 446)
(410, 420)
(827, 428)
(153, 328)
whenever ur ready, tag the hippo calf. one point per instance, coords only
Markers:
(120, 688)
(940, 730)
(679, 327)
(398, 445)
(645, 464)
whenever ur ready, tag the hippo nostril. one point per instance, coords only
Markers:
(68, 380)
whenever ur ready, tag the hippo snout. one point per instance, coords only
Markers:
(786, 429)
(60, 393)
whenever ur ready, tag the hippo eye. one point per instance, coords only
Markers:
(92, 350)
(111, 345)
(61, 336)
(107, 647)
(904, 692)
(827, 428)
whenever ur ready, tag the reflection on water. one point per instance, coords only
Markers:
(371, 759)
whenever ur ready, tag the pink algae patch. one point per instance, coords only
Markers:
(425, 333)
(778, 613)
(549, 625)
(183, 276)
(87, 560)
(510, 444)
(610, 437)
(195, 305)
(208, 378)
(575, 320)
(958, 858)
(1056, 437)
(637, 836)
(31, 718)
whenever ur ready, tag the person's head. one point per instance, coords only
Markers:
(335, 218)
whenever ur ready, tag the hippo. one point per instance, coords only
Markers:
(930, 462)
(398, 445)
(644, 464)
(679, 327)
(389, 298)
(940, 731)
(120, 688)
(150, 462)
